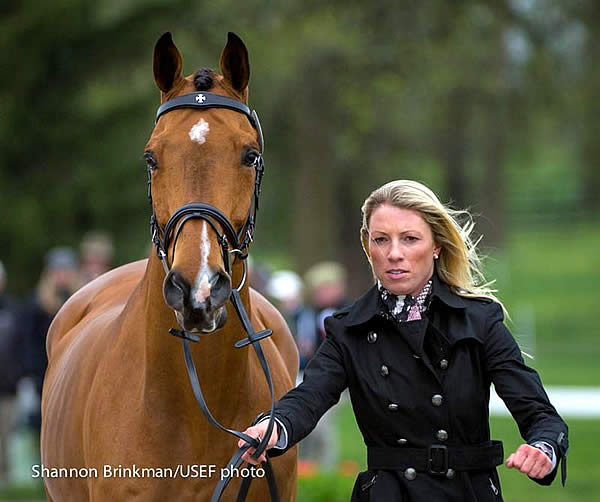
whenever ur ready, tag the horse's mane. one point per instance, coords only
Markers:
(204, 79)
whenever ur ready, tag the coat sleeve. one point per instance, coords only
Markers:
(522, 391)
(324, 380)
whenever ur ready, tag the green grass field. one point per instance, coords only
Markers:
(552, 275)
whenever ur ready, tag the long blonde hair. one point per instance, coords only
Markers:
(459, 264)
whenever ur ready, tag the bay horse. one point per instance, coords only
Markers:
(116, 391)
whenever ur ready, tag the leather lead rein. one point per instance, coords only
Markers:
(240, 244)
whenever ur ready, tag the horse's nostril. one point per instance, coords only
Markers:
(214, 280)
(175, 290)
(179, 282)
(221, 289)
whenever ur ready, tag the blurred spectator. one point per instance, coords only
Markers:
(59, 280)
(286, 289)
(11, 370)
(96, 254)
(326, 290)
(258, 275)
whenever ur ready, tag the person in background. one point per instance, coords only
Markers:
(286, 289)
(58, 281)
(326, 292)
(418, 352)
(11, 370)
(258, 275)
(96, 255)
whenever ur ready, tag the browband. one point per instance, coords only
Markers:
(210, 100)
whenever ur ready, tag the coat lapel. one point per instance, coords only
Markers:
(365, 308)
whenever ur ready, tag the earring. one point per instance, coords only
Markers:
(435, 256)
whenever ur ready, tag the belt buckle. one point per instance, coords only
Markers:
(437, 459)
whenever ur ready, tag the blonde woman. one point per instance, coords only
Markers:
(418, 352)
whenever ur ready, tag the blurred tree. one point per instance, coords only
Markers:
(474, 98)
(590, 109)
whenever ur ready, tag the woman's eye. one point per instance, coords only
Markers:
(379, 240)
(251, 158)
(411, 238)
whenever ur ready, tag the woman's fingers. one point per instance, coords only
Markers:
(257, 432)
(248, 458)
(530, 460)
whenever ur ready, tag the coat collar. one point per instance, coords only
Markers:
(370, 303)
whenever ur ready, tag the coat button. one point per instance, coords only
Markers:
(385, 371)
(437, 400)
(371, 337)
(450, 473)
(410, 474)
(442, 435)
(444, 364)
(393, 407)
(401, 441)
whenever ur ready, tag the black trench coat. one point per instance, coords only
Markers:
(423, 383)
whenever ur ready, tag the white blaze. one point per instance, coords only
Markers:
(201, 290)
(199, 131)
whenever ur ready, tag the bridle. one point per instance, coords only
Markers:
(231, 243)
(239, 242)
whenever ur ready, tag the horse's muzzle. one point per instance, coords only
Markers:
(198, 309)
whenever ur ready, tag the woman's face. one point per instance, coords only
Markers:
(402, 249)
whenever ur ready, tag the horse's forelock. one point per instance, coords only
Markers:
(204, 79)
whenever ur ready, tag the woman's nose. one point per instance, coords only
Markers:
(395, 252)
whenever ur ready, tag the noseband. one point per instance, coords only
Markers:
(232, 243)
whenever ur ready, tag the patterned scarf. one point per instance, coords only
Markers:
(405, 308)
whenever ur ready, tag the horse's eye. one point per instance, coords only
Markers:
(250, 157)
(150, 160)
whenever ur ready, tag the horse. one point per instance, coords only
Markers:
(116, 396)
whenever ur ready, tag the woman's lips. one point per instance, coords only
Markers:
(396, 273)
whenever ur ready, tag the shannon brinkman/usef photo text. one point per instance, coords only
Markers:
(135, 471)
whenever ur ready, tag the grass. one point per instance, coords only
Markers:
(549, 278)
(31, 492)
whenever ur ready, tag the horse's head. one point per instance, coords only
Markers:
(208, 157)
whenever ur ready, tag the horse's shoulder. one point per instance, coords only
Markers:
(264, 308)
(110, 289)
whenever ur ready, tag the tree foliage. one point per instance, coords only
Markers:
(491, 103)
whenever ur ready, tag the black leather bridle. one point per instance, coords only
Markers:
(232, 243)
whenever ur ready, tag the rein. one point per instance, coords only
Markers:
(231, 243)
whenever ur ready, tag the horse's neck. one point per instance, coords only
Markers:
(215, 357)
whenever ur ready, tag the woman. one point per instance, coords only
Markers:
(418, 352)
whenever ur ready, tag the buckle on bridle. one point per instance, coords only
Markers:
(437, 459)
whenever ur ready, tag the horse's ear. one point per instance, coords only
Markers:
(234, 63)
(167, 63)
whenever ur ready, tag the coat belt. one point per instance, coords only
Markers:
(436, 459)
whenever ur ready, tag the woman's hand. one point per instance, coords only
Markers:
(531, 461)
(258, 431)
